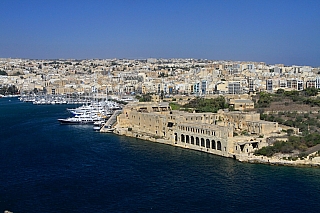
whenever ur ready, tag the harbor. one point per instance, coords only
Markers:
(70, 168)
(98, 114)
(41, 99)
(92, 110)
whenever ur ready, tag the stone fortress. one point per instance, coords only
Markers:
(225, 133)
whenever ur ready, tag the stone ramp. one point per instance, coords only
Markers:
(313, 149)
(111, 121)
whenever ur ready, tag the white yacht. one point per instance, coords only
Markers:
(98, 125)
(81, 119)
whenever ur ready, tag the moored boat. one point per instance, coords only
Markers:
(98, 125)
(81, 119)
(107, 129)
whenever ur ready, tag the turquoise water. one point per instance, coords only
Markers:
(48, 167)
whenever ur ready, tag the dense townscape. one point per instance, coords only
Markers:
(216, 107)
(158, 76)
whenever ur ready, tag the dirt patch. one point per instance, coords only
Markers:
(290, 106)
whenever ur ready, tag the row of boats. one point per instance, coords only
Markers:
(95, 113)
(52, 99)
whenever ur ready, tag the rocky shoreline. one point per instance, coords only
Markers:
(311, 161)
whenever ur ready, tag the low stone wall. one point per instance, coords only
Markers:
(314, 162)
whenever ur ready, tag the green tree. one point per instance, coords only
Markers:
(264, 99)
(311, 91)
(207, 105)
(290, 132)
(144, 98)
(280, 91)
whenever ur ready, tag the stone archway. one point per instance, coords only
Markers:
(182, 138)
(197, 141)
(207, 143)
(219, 145)
(202, 142)
(213, 144)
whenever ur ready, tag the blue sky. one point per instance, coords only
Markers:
(273, 31)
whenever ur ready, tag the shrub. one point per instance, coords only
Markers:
(266, 151)
(302, 155)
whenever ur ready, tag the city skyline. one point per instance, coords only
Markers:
(269, 31)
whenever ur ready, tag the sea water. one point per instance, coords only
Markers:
(49, 167)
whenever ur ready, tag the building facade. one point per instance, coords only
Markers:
(224, 133)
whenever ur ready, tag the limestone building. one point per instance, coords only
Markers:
(224, 133)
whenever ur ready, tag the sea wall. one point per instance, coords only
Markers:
(309, 161)
(229, 134)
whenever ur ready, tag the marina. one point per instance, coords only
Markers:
(55, 99)
(95, 113)
(90, 111)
